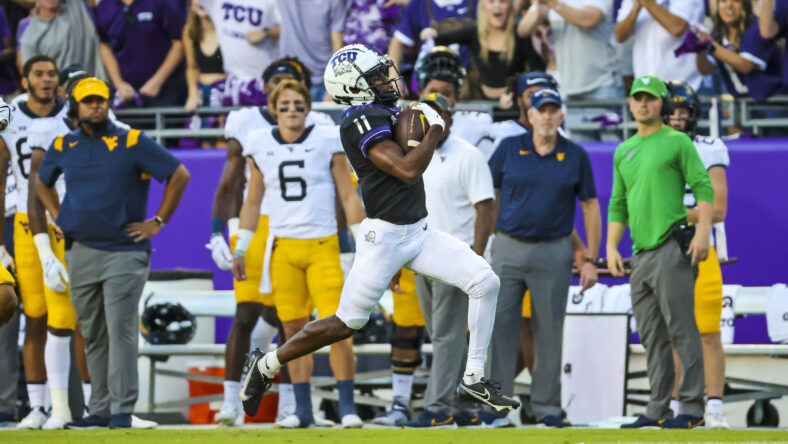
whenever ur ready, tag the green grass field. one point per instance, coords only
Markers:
(395, 436)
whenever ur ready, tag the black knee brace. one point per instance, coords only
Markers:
(406, 367)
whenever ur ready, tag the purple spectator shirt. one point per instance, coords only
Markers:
(140, 35)
(369, 23)
(416, 18)
(763, 80)
(7, 78)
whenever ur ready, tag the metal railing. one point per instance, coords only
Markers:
(720, 113)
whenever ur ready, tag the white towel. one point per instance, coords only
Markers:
(729, 293)
(265, 281)
(777, 313)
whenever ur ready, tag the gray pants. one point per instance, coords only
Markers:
(545, 268)
(445, 310)
(9, 365)
(663, 301)
(106, 287)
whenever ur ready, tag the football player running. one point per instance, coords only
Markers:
(255, 316)
(683, 113)
(393, 235)
(294, 169)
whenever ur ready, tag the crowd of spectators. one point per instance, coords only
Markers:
(194, 53)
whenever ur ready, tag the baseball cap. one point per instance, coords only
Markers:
(91, 86)
(71, 72)
(545, 96)
(438, 100)
(532, 79)
(649, 84)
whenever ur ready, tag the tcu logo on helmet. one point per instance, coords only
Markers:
(349, 56)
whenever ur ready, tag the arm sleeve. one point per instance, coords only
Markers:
(477, 178)
(410, 26)
(337, 15)
(695, 173)
(271, 15)
(496, 163)
(463, 36)
(173, 20)
(50, 170)
(151, 158)
(367, 129)
(586, 188)
(617, 210)
(689, 10)
(623, 10)
(235, 121)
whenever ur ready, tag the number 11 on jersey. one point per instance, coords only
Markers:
(366, 124)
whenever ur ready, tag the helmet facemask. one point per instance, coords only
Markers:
(378, 77)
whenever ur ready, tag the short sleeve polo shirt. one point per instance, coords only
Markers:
(538, 193)
(107, 181)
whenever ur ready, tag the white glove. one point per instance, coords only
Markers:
(6, 260)
(55, 274)
(432, 116)
(220, 252)
(5, 115)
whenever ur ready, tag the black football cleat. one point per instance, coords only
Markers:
(486, 392)
(255, 384)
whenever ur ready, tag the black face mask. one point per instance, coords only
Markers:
(390, 96)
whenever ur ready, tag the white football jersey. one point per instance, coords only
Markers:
(241, 122)
(41, 134)
(299, 187)
(16, 139)
(712, 152)
(476, 128)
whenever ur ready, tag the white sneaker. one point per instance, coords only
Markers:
(229, 415)
(716, 421)
(290, 422)
(55, 423)
(323, 422)
(352, 421)
(284, 411)
(34, 420)
(139, 423)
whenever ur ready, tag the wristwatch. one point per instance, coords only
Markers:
(159, 221)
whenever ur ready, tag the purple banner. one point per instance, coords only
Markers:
(756, 225)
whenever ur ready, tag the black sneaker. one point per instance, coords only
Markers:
(486, 392)
(554, 422)
(641, 422)
(255, 384)
(683, 422)
(89, 422)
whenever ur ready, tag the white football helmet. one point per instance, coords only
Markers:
(353, 73)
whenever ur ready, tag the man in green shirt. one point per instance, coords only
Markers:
(649, 174)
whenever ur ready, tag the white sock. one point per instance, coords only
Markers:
(286, 402)
(269, 365)
(60, 408)
(402, 385)
(231, 390)
(482, 300)
(86, 391)
(47, 399)
(674, 407)
(37, 394)
(714, 406)
(262, 335)
(57, 358)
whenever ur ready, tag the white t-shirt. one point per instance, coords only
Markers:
(299, 187)
(16, 139)
(233, 19)
(652, 51)
(456, 179)
(585, 58)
